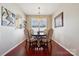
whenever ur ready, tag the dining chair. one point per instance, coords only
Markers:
(26, 32)
(32, 40)
(50, 34)
(30, 33)
(49, 37)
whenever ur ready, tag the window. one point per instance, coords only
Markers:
(39, 25)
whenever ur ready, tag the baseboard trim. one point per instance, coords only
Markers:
(13, 47)
(65, 48)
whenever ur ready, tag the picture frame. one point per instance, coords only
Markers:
(19, 22)
(58, 20)
(7, 17)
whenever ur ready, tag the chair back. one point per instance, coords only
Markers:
(50, 34)
(30, 33)
(45, 31)
(26, 31)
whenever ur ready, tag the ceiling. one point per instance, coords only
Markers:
(32, 8)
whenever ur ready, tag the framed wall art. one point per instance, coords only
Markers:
(58, 20)
(7, 17)
(19, 22)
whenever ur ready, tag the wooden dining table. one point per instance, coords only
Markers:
(39, 38)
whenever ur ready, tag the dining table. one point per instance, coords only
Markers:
(39, 38)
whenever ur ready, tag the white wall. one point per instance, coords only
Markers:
(10, 36)
(68, 36)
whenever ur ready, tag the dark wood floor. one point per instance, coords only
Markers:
(18, 51)
(55, 50)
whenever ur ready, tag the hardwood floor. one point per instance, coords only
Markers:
(18, 51)
(55, 50)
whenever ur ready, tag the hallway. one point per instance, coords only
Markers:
(39, 29)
